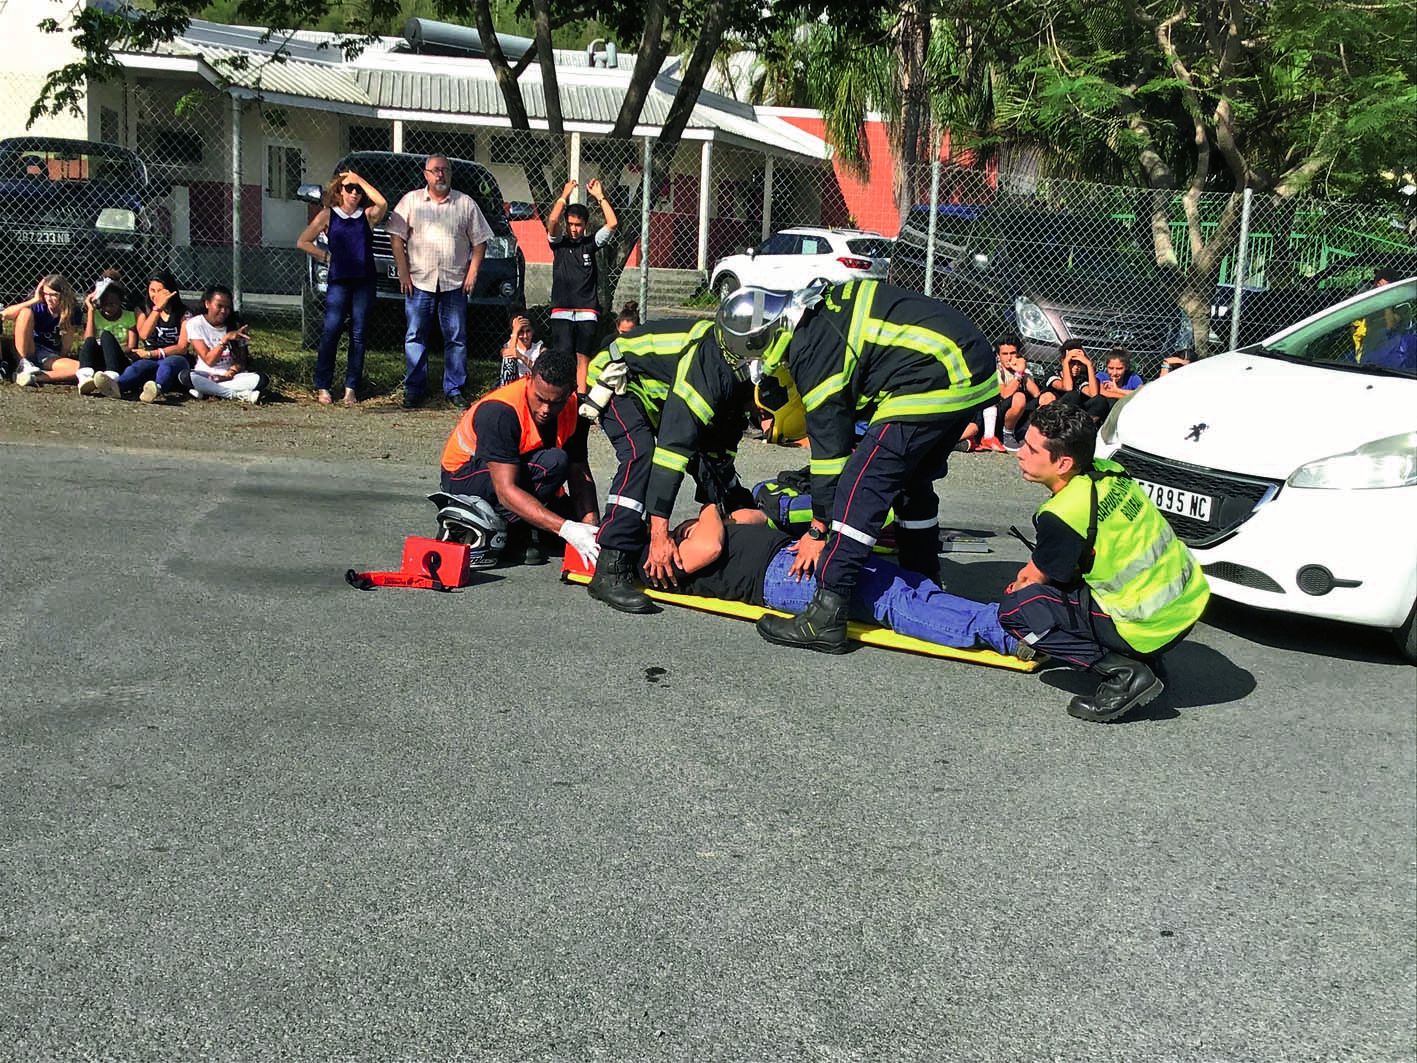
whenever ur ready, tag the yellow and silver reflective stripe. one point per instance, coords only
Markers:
(701, 410)
(1164, 540)
(1153, 604)
(943, 400)
(668, 459)
(916, 525)
(656, 391)
(853, 533)
(923, 341)
(826, 466)
(626, 501)
(860, 317)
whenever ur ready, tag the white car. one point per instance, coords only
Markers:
(793, 258)
(1290, 466)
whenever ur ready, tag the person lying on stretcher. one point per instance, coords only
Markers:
(745, 559)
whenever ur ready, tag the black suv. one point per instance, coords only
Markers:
(500, 281)
(75, 207)
(1046, 276)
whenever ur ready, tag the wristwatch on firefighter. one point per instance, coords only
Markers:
(815, 533)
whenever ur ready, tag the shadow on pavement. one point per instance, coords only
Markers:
(1302, 634)
(1197, 677)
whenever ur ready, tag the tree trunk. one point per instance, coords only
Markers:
(654, 44)
(665, 147)
(911, 39)
(517, 117)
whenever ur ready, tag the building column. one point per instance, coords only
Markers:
(398, 134)
(705, 178)
(574, 168)
(235, 200)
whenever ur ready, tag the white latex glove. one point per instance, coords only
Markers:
(614, 379)
(581, 537)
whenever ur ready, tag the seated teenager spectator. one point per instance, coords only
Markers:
(220, 343)
(1177, 359)
(629, 318)
(747, 560)
(520, 351)
(517, 447)
(1075, 383)
(1019, 393)
(1117, 379)
(352, 208)
(161, 366)
(46, 327)
(110, 337)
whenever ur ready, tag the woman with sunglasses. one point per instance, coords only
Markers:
(341, 237)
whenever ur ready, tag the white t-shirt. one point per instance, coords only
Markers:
(199, 328)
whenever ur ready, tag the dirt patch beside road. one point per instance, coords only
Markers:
(377, 428)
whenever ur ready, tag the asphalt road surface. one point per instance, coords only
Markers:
(250, 813)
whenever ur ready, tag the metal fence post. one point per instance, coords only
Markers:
(930, 238)
(1240, 264)
(767, 196)
(236, 199)
(645, 184)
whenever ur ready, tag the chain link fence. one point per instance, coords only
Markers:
(217, 187)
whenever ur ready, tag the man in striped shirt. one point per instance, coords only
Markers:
(439, 236)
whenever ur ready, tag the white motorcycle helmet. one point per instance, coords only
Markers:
(471, 520)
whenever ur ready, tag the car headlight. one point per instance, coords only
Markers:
(117, 220)
(1390, 462)
(1108, 432)
(1032, 323)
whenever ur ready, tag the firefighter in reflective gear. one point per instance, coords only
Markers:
(916, 370)
(1109, 586)
(675, 406)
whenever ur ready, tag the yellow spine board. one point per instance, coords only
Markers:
(866, 634)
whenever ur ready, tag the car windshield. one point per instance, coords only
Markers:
(68, 165)
(1377, 334)
(394, 174)
(870, 246)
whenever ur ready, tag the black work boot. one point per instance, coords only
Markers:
(614, 583)
(821, 626)
(1127, 684)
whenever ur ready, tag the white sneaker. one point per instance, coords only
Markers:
(26, 366)
(28, 378)
(88, 385)
(150, 393)
(106, 381)
(194, 393)
(252, 396)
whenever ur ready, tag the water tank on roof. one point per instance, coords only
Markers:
(428, 37)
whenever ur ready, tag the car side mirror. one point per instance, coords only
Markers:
(518, 210)
(311, 194)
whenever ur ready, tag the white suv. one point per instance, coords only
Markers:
(793, 258)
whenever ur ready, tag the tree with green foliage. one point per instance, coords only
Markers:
(1185, 97)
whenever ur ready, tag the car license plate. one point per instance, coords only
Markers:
(1174, 500)
(47, 237)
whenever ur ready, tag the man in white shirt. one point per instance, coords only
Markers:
(439, 236)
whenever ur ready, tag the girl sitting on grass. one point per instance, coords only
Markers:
(220, 343)
(45, 328)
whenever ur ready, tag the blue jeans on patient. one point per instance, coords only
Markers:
(450, 307)
(345, 300)
(906, 602)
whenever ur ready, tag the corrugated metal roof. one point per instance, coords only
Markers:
(393, 82)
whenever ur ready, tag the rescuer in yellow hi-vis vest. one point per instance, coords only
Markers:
(1109, 588)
